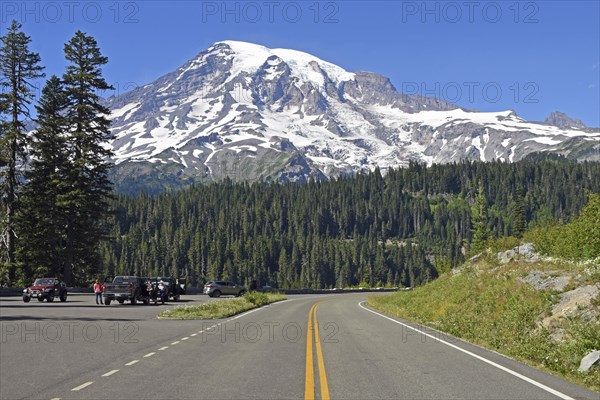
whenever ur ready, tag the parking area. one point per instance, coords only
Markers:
(42, 343)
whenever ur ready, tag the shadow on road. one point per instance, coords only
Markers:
(64, 318)
(4, 303)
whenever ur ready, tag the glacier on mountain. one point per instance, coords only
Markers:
(246, 112)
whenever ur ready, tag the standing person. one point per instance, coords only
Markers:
(98, 289)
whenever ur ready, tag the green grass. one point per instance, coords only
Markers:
(223, 308)
(486, 304)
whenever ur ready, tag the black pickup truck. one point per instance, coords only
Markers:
(122, 288)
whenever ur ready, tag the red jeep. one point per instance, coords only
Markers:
(46, 289)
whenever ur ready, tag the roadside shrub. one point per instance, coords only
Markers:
(222, 308)
(257, 298)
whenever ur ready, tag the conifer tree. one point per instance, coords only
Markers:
(481, 232)
(89, 189)
(42, 218)
(19, 68)
(518, 211)
(585, 230)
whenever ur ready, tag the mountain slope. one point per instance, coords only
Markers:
(247, 112)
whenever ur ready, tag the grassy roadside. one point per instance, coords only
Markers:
(222, 308)
(487, 304)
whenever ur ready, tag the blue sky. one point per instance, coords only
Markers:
(530, 56)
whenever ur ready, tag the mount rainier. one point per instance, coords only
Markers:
(247, 112)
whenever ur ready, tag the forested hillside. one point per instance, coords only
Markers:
(399, 229)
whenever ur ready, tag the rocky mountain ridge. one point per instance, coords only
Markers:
(246, 112)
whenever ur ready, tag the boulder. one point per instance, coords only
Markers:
(574, 302)
(588, 361)
(525, 252)
(506, 256)
(554, 280)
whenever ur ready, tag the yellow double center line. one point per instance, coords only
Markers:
(312, 331)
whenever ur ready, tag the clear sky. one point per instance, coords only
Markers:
(533, 57)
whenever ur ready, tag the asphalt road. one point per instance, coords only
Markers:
(327, 346)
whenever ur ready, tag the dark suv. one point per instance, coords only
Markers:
(46, 289)
(217, 288)
(173, 288)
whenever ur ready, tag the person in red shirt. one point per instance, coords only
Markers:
(98, 289)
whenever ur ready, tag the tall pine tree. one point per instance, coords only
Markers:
(19, 68)
(89, 188)
(43, 218)
(518, 213)
(479, 216)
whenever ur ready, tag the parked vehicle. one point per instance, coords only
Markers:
(157, 290)
(46, 289)
(173, 287)
(218, 288)
(182, 282)
(267, 289)
(122, 288)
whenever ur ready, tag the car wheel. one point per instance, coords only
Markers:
(50, 299)
(216, 293)
(26, 299)
(40, 299)
(241, 293)
(121, 301)
(107, 302)
(176, 298)
(63, 298)
(133, 301)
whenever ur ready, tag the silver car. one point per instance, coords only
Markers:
(218, 288)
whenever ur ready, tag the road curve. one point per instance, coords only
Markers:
(320, 347)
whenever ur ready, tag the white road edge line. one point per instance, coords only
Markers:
(176, 342)
(56, 398)
(114, 371)
(163, 348)
(149, 355)
(132, 362)
(231, 319)
(82, 386)
(241, 315)
(185, 338)
(485, 360)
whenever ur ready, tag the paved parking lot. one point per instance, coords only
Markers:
(43, 343)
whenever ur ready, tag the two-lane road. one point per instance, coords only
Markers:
(306, 347)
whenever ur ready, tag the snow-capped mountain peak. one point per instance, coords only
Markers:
(249, 112)
(249, 57)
